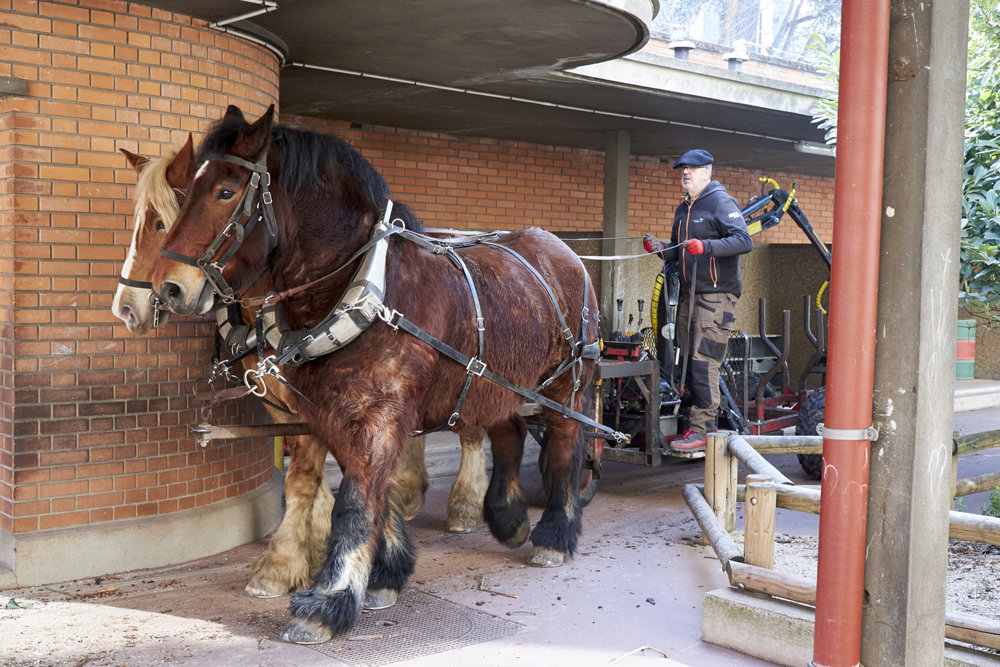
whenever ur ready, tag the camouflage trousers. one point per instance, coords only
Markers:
(711, 323)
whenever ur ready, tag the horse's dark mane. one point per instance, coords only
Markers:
(307, 159)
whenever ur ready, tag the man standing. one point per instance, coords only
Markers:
(709, 234)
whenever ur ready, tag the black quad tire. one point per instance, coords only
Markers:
(810, 416)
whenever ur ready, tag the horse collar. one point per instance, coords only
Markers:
(354, 313)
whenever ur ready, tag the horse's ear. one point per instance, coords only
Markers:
(260, 132)
(233, 113)
(180, 168)
(137, 161)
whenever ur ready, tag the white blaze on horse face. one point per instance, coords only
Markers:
(132, 304)
(201, 170)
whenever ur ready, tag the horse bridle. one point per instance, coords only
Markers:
(154, 300)
(262, 210)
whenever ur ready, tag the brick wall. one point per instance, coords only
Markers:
(94, 422)
(475, 183)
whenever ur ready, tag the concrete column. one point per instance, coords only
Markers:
(616, 160)
(910, 489)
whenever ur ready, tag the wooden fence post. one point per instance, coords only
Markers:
(758, 538)
(720, 480)
(954, 480)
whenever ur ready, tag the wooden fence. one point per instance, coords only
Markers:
(714, 507)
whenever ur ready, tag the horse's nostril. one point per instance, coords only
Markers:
(172, 291)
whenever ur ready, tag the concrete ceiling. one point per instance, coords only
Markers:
(530, 49)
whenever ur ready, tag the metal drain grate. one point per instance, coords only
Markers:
(419, 624)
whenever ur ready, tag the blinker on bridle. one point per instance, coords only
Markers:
(263, 210)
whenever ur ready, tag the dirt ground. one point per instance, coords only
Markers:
(637, 581)
(973, 570)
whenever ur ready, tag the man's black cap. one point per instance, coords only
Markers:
(695, 158)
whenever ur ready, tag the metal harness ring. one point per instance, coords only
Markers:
(253, 375)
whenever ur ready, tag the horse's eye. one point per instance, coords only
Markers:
(226, 195)
(160, 227)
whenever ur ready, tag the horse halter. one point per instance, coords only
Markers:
(263, 210)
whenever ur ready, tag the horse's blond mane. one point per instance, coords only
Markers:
(153, 190)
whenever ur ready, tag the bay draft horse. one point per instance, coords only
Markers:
(364, 400)
(298, 548)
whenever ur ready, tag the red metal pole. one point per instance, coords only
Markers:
(853, 296)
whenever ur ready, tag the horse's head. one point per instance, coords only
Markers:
(214, 213)
(159, 191)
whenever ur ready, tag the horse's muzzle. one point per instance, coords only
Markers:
(184, 300)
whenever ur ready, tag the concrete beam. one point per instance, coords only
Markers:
(616, 184)
(781, 632)
(669, 76)
(909, 489)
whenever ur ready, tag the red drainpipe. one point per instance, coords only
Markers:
(857, 217)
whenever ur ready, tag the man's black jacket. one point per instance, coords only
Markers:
(714, 218)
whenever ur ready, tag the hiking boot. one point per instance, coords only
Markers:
(690, 441)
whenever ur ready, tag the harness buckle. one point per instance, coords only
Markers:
(567, 334)
(266, 197)
(255, 179)
(391, 318)
(476, 367)
(453, 419)
(480, 325)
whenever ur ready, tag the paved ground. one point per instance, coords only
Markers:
(637, 581)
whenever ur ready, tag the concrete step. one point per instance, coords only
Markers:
(976, 395)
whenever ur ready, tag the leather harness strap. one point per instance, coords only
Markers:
(262, 211)
(371, 297)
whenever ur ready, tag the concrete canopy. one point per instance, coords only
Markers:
(573, 53)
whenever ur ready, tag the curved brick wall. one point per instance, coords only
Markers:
(95, 421)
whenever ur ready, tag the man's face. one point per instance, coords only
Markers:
(694, 179)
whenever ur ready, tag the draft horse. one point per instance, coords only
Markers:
(348, 273)
(298, 547)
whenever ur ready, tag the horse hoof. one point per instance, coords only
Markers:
(520, 537)
(303, 631)
(459, 526)
(541, 557)
(264, 589)
(412, 507)
(380, 599)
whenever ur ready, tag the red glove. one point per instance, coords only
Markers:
(652, 244)
(695, 246)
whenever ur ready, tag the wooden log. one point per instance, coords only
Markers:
(964, 526)
(796, 498)
(207, 432)
(770, 582)
(970, 485)
(958, 626)
(785, 444)
(758, 539)
(954, 480)
(752, 461)
(724, 546)
(720, 481)
(972, 629)
(976, 442)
